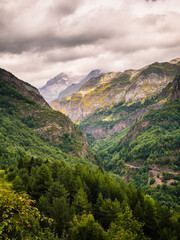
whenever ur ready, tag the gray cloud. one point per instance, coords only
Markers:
(63, 7)
(78, 35)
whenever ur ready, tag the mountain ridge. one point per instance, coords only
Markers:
(23, 87)
(111, 88)
(64, 84)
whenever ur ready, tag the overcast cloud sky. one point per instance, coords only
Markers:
(41, 38)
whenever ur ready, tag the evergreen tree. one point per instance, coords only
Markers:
(80, 204)
(86, 228)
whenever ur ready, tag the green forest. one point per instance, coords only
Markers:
(157, 138)
(53, 185)
(77, 202)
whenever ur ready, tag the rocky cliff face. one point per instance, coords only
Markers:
(57, 84)
(112, 88)
(23, 87)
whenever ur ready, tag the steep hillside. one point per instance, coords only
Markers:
(23, 87)
(114, 88)
(28, 127)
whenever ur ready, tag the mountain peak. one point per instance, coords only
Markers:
(54, 86)
(62, 78)
(64, 84)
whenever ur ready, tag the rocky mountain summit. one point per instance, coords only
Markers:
(65, 84)
(54, 86)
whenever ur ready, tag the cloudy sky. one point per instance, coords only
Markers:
(41, 38)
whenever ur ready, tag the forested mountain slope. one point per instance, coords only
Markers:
(31, 128)
(23, 87)
(154, 137)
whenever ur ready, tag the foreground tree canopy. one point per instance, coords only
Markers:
(79, 203)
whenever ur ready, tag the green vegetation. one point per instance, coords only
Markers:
(166, 195)
(157, 138)
(47, 191)
(111, 119)
(17, 139)
(79, 203)
(19, 218)
(124, 113)
(153, 138)
(166, 68)
(104, 144)
(28, 128)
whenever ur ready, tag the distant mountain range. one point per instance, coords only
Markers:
(65, 84)
(111, 88)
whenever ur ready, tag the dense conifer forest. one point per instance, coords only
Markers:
(66, 202)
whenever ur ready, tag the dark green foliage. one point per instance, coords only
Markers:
(80, 204)
(70, 142)
(164, 194)
(10, 92)
(86, 204)
(152, 181)
(140, 177)
(18, 139)
(106, 210)
(20, 219)
(61, 213)
(40, 181)
(86, 228)
(159, 139)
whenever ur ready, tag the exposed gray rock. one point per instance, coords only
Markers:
(54, 86)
